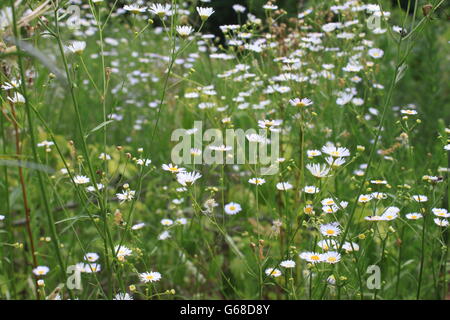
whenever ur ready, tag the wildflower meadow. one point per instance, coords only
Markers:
(224, 150)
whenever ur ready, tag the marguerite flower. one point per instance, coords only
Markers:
(232, 208)
(363, 198)
(317, 170)
(376, 53)
(441, 222)
(122, 252)
(257, 181)
(17, 98)
(312, 257)
(126, 195)
(151, 276)
(161, 9)
(41, 270)
(413, 216)
(350, 246)
(91, 256)
(92, 267)
(134, 8)
(440, 212)
(287, 264)
(143, 162)
(311, 189)
(284, 186)
(330, 229)
(313, 153)
(164, 235)
(184, 31)
(172, 168)
(205, 13)
(167, 222)
(327, 244)
(297, 102)
(420, 198)
(336, 152)
(138, 226)
(77, 47)
(331, 257)
(13, 84)
(273, 272)
(123, 296)
(408, 112)
(188, 178)
(81, 179)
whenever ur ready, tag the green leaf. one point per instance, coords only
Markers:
(101, 125)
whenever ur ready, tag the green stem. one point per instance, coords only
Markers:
(55, 238)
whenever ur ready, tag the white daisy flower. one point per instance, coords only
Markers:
(151, 276)
(330, 229)
(311, 189)
(138, 226)
(297, 102)
(440, 212)
(205, 13)
(327, 244)
(420, 198)
(184, 31)
(257, 181)
(91, 256)
(312, 257)
(122, 252)
(376, 53)
(287, 264)
(164, 235)
(331, 257)
(318, 170)
(123, 296)
(41, 270)
(126, 195)
(232, 208)
(284, 186)
(92, 267)
(134, 8)
(350, 246)
(167, 222)
(336, 152)
(188, 178)
(441, 222)
(172, 168)
(273, 272)
(413, 216)
(81, 179)
(77, 47)
(161, 9)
